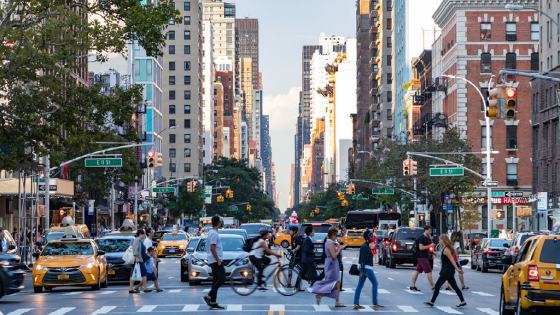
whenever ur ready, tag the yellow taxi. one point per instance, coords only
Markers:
(532, 282)
(283, 239)
(70, 261)
(173, 243)
(127, 229)
(353, 238)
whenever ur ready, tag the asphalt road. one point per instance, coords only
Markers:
(180, 298)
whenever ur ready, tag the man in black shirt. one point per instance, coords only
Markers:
(424, 245)
(297, 242)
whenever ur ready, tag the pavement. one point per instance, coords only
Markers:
(180, 298)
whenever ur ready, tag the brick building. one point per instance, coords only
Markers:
(218, 120)
(226, 79)
(477, 40)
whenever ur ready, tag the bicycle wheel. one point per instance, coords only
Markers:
(285, 281)
(243, 281)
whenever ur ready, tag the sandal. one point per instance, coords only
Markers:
(339, 305)
(147, 291)
(430, 304)
(133, 291)
(358, 307)
(464, 288)
(318, 297)
(448, 289)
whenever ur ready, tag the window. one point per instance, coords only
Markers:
(187, 79)
(215, 113)
(535, 31)
(172, 65)
(535, 62)
(389, 5)
(172, 5)
(187, 6)
(172, 49)
(187, 168)
(171, 95)
(171, 80)
(485, 31)
(172, 153)
(187, 138)
(389, 24)
(389, 43)
(187, 49)
(187, 35)
(171, 138)
(171, 123)
(511, 31)
(389, 79)
(485, 94)
(172, 109)
(187, 94)
(374, 68)
(171, 35)
(485, 63)
(187, 109)
(484, 170)
(215, 124)
(187, 20)
(511, 137)
(187, 123)
(510, 60)
(187, 152)
(483, 138)
(389, 96)
(172, 167)
(512, 174)
(389, 60)
(389, 115)
(187, 65)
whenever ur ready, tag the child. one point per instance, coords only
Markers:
(151, 268)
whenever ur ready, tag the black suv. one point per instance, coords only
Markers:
(399, 249)
(11, 276)
(321, 231)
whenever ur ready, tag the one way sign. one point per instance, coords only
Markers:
(513, 194)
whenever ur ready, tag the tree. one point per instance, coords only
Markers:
(46, 44)
(469, 217)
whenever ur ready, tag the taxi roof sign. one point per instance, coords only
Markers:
(69, 234)
(67, 221)
(127, 226)
(175, 229)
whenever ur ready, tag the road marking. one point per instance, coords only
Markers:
(205, 290)
(383, 291)
(73, 293)
(309, 289)
(20, 311)
(448, 309)
(234, 307)
(483, 294)
(175, 291)
(104, 310)
(391, 279)
(485, 310)
(407, 309)
(177, 262)
(146, 309)
(413, 292)
(107, 292)
(367, 309)
(322, 308)
(170, 278)
(278, 308)
(447, 292)
(38, 294)
(62, 311)
(191, 308)
(348, 290)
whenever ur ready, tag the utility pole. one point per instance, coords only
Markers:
(112, 206)
(136, 201)
(47, 192)
(415, 204)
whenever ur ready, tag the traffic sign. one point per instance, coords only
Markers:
(447, 197)
(207, 196)
(512, 194)
(145, 204)
(489, 184)
(233, 208)
(498, 194)
(163, 189)
(454, 171)
(414, 200)
(357, 197)
(383, 192)
(105, 162)
(41, 180)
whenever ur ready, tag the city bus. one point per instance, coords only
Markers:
(370, 218)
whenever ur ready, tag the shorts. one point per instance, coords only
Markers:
(151, 277)
(423, 266)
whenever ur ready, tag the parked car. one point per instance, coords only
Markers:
(531, 285)
(476, 253)
(514, 247)
(11, 276)
(490, 255)
(399, 251)
(114, 248)
(241, 232)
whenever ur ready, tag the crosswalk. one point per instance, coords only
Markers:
(256, 308)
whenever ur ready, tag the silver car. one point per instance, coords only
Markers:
(234, 257)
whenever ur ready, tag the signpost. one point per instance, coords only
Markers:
(383, 192)
(163, 189)
(104, 162)
(359, 197)
(489, 184)
(512, 194)
(454, 171)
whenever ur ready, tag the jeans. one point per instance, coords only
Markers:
(306, 267)
(218, 279)
(260, 264)
(371, 276)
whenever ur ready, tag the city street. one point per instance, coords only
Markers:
(178, 297)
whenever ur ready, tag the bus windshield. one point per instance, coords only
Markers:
(361, 220)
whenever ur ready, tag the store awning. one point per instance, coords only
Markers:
(57, 187)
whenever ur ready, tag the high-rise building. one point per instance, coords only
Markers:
(207, 92)
(244, 68)
(266, 153)
(226, 78)
(222, 16)
(256, 120)
(380, 63)
(218, 118)
(247, 45)
(182, 102)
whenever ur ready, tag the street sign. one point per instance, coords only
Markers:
(145, 204)
(542, 202)
(498, 194)
(41, 180)
(454, 171)
(447, 197)
(105, 162)
(414, 200)
(359, 197)
(489, 184)
(51, 187)
(512, 194)
(233, 208)
(163, 189)
(207, 196)
(383, 192)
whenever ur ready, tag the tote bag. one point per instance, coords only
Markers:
(136, 274)
(128, 256)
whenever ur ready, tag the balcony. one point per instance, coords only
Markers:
(429, 121)
(440, 84)
(418, 98)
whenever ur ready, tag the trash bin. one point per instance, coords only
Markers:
(495, 233)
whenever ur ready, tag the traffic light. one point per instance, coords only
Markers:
(249, 208)
(494, 95)
(511, 103)
(413, 167)
(498, 214)
(348, 190)
(317, 210)
(151, 160)
(159, 159)
(406, 167)
(229, 194)
(220, 198)
(344, 203)
(351, 189)
(340, 195)
(191, 186)
(312, 214)
(420, 217)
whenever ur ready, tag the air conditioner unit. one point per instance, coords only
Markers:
(511, 36)
(512, 182)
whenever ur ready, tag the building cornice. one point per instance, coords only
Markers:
(448, 8)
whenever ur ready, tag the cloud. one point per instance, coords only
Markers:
(283, 111)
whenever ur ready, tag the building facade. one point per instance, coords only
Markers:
(247, 45)
(218, 117)
(208, 109)
(381, 64)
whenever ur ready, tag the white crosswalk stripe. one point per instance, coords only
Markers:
(348, 290)
(146, 309)
(383, 291)
(367, 309)
(407, 309)
(391, 279)
(62, 311)
(73, 293)
(482, 293)
(234, 307)
(448, 310)
(447, 292)
(279, 308)
(413, 292)
(322, 308)
(178, 262)
(175, 291)
(107, 292)
(104, 310)
(488, 311)
(205, 290)
(191, 308)
(20, 311)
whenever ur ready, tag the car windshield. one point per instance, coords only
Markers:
(236, 232)
(70, 248)
(498, 243)
(111, 245)
(58, 235)
(174, 237)
(524, 237)
(316, 228)
(192, 244)
(252, 229)
(409, 234)
(319, 237)
(160, 233)
(228, 244)
(549, 252)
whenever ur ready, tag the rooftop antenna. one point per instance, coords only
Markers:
(247, 16)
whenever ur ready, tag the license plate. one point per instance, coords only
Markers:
(171, 250)
(62, 277)
(111, 272)
(319, 250)
(355, 239)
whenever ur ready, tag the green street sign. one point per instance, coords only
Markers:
(497, 194)
(106, 162)
(234, 208)
(383, 192)
(163, 189)
(145, 204)
(455, 171)
(206, 195)
(41, 180)
(359, 198)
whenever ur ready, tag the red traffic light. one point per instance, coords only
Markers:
(511, 93)
(151, 154)
(406, 163)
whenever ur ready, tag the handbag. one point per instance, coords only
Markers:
(463, 262)
(128, 256)
(136, 274)
(354, 271)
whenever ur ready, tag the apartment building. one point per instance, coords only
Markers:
(208, 109)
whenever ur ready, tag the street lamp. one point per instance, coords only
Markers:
(517, 7)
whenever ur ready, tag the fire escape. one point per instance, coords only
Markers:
(428, 120)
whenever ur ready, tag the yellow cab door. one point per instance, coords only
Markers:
(515, 272)
(548, 262)
(100, 262)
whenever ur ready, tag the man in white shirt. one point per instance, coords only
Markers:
(148, 240)
(215, 254)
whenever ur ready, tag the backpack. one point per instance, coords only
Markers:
(248, 246)
(416, 248)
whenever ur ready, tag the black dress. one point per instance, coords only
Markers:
(447, 273)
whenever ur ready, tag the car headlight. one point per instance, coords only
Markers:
(161, 246)
(182, 246)
(243, 261)
(90, 265)
(199, 262)
(40, 267)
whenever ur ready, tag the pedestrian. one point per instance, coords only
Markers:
(307, 258)
(457, 247)
(152, 269)
(140, 256)
(424, 244)
(297, 242)
(330, 285)
(373, 245)
(3, 244)
(365, 265)
(257, 257)
(199, 232)
(447, 273)
(215, 254)
(148, 240)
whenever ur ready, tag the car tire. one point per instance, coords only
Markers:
(184, 276)
(38, 289)
(386, 262)
(503, 310)
(106, 282)
(97, 287)
(473, 266)
(519, 309)
(285, 244)
(484, 268)
(392, 263)
(478, 266)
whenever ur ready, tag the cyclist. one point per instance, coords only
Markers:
(257, 257)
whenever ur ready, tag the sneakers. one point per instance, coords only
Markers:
(216, 307)
(462, 305)
(263, 288)
(414, 289)
(207, 301)
(430, 304)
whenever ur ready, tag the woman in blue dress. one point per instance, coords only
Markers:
(330, 285)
